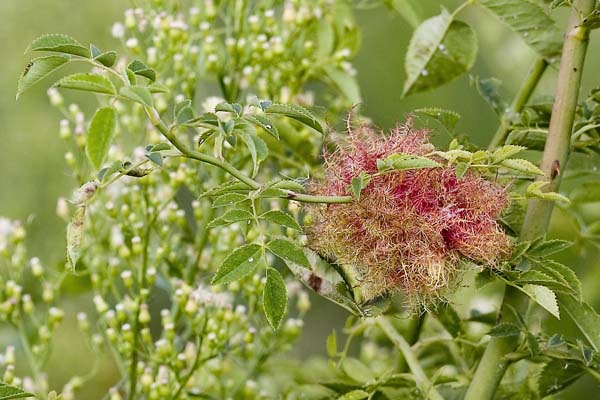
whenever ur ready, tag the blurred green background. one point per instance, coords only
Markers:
(32, 171)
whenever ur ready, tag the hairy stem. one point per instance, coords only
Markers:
(421, 379)
(493, 364)
(230, 169)
(522, 97)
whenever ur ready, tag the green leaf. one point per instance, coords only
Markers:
(504, 330)
(562, 273)
(520, 165)
(557, 375)
(461, 169)
(139, 94)
(587, 192)
(357, 394)
(545, 297)
(488, 89)
(230, 217)
(88, 83)
(440, 51)
(345, 82)
(155, 157)
(548, 247)
(447, 118)
(535, 190)
(257, 148)
(274, 298)
(60, 44)
(402, 162)
(75, 236)
(505, 152)
(359, 183)
(238, 264)
(38, 69)
(332, 344)
(281, 218)
(297, 113)
(8, 392)
(183, 112)
(408, 9)
(584, 316)
(448, 317)
(532, 139)
(263, 122)
(229, 199)
(156, 87)
(288, 251)
(100, 135)
(141, 69)
(529, 20)
(356, 370)
(107, 59)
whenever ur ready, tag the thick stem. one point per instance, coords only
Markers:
(421, 379)
(522, 97)
(493, 364)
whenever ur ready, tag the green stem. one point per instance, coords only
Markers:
(522, 97)
(494, 363)
(230, 169)
(143, 282)
(421, 379)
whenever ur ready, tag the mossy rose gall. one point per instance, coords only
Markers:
(412, 230)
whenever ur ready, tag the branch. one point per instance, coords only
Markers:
(421, 379)
(494, 363)
(522, 97)
(230, 169)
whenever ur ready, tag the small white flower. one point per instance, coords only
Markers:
(118, 30)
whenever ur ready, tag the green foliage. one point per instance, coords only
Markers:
(100, 135)
(529, 20)
(441, 49)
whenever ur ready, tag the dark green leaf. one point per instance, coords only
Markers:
(440, 51)
(156, 158)
(488, 89)
(531, 22)
(281, 218)
(89, 83)
(8, 392)
(107, 59)
(229, 199)
(100, 135)
(60, 44)
(274, 298)
(141, 69)
(288, 251)
(156, 87)
(584, 316)
(139, 94)
(557, 375)
(38, 69)
(447, 118)
(548, 247)
(263, 122)
(230, 217)
(504, 330)
(532, 139)
(297, 113)
(449, 318)
(257, 148)
(359, 183)
(238, 264)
